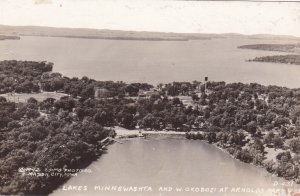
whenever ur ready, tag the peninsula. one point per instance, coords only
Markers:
(285, 59)
(273, 47)
(10, 37)
(292, 58)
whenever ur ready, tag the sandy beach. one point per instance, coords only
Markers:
(126, 133)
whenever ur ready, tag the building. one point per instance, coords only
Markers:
(101, 92)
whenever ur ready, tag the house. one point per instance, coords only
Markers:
(101, 92)
(147, 94)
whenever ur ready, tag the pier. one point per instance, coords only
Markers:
(105, 142)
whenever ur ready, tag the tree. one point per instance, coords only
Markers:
(36, 131)
(176, 101)
(278, 142)
(279, 122)
(65, 103)
(103, 118)
(127, 120)
(32, 113)
(13, 124)
(57, 84)
(4, 119)
(195, 97)
(269, 138)
(258, 159)
(131, 90)
(177, 120)
(2, 99)
(270, 166)
(88, 92)
(148, 121)
(294, 145)
(211, 137)
(284, 156)
(47, 104)
(244, 155)
(251, 127)
(214, 129)
(258, 145)
(32, 100)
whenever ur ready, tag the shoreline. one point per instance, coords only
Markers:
(126, 133)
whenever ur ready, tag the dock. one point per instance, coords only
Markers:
(105, 142)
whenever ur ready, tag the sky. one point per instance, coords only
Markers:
(157, 15)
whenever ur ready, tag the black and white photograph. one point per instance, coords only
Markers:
(149, 98)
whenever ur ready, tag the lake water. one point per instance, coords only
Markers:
(175, 163)
(154, 61)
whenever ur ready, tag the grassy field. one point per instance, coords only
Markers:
(38, 96)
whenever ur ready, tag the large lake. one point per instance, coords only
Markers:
(175, 163)
(154, 61)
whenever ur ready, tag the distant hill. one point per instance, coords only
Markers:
(122, 35)
(96, 34)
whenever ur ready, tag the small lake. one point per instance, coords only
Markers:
(154, 61)
(175, 163)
